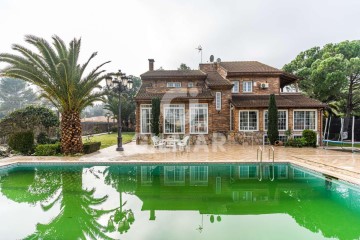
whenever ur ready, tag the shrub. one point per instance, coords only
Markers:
(310, 137)
(22, 142)
(91, 147)
(42, 138)
(273, 132)
(48, 149)
(155, 116)
(296, 142)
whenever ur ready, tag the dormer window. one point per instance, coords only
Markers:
(235, 88)
(173, 84)
(247, 86)
(190, 84)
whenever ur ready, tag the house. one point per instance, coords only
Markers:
(224, 99)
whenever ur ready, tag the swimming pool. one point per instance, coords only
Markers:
(232, 201)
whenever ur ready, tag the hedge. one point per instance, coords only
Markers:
(48, 149)
(91, 147)
(22, 142)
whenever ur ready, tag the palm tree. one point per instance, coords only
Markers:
(55, 69)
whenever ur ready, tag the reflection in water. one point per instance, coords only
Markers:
(215, 192)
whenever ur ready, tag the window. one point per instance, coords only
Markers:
(146, 175)
(304, 119)
(198, 175)
(247, 86)
(246, 172)
(174, 175)
(235, 88)
(145, 118)
(199, 118)
(282, 120)
(282, 138)
(174, 84)
(190, 84)
(174, 118)
(248, 120)
(282, 171)
(218, 101)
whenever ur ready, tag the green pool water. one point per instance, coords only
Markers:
(175, 202)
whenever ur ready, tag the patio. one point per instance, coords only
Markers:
(338, 164)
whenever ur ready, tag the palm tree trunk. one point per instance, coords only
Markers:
(71, 141)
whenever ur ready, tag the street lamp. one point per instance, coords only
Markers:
(119, 83)
(107, 115)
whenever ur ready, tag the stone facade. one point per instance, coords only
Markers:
(224, 123)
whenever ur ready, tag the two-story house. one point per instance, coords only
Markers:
(224, 98)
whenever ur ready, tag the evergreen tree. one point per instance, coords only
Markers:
(15, 94)
(155, 116)
(273, 132)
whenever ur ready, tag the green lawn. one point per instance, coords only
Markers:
(108, 140)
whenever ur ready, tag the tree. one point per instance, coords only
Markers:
(31, 118)
(15, 94)
(273, 132)
(128, 104)
(55, 70)
(331, 74)
(183, 66)
(155, 116)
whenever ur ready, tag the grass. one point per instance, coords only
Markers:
(108, 140)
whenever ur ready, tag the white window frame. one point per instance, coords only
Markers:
(244, 89)
(174, 106)
(247, 170)
(218, 101)
(146, 175)
(173, 84)
(178, 176)
(287, 119)
(147, 107)
(305, 110)
(235, 88)
(190, 84)
(199, 106)
(199, 175)
(257, 120)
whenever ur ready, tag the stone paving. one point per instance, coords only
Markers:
(338, 164)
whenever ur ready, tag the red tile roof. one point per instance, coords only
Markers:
(173, 73)
(249, 67)
(285, 100)
(215, 79)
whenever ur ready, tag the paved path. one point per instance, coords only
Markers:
(342, 165)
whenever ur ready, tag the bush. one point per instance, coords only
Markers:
(48, 149)
(91, 147)
(273, 132)
(22, 142)
(42, 138)
(310, 137)
(296, 142)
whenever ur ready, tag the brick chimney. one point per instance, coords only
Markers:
(151, 64)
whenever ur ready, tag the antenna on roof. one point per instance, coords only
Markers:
(211, 58)
(200, 51)
(218, 60)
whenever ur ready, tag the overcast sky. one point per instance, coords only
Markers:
(129, 32)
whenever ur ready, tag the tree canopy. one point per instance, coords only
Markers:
(183, 66)
(56, 71)
(15, 94)
(331, 74)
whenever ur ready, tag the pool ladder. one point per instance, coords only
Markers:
(259, 157)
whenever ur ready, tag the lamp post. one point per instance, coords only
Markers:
(107, 115)
(119, 83)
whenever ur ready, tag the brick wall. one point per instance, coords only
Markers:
(220, 121)
(274, 84)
